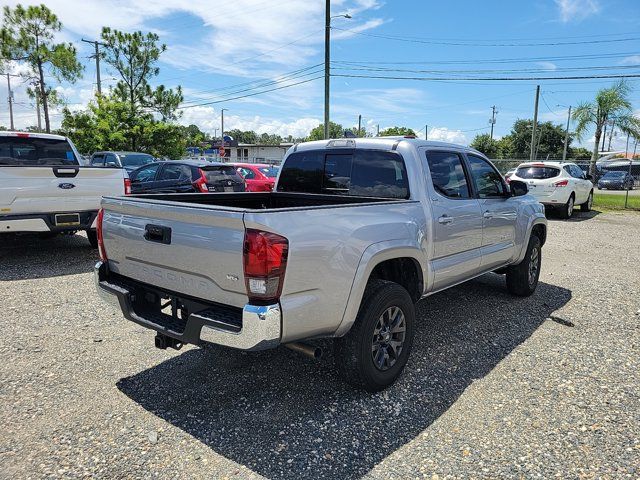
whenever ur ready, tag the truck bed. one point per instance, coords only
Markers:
(250, 201)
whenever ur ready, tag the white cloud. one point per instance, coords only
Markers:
(630, 60)
(576, 10)
(445, 134)
(208, 119)
(547, 65)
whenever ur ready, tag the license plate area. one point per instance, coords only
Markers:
(67, 219)
(228, 189)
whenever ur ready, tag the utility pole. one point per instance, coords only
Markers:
(378, 130)
(96, 55)
(493, 119)
(426, 132)
(535, 125)
(359, 124)
(327, 56)
(222, 126)
(566, 137)
(10, 98)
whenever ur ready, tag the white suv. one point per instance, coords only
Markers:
(557, 184)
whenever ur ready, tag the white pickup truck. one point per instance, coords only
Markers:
(45, 188)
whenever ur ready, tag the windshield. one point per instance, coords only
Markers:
(537, 173)
(614, 175)
(271, 172)
(135, 159)
(33, 151)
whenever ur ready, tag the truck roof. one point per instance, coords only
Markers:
(382, 143)
(50, 136)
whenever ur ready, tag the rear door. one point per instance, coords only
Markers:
(499, 213)
(174, 178)
(143, 179)
(457, 219)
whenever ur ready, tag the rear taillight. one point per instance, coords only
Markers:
(127, 186)
(201, 183)
(265, 260)
(561, 183)
(101, 251)
(506, 179)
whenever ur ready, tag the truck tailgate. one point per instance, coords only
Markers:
(196, 251)
(33, 189)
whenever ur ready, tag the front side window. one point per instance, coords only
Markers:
(447, 174)
(269, 172)
(97, 160)
(487, 179)
(135, 159)
(246, 173)
(146, 174)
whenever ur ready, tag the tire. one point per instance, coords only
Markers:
(92, 236)
(567, 209)
(586, 206)
(354, 353)
(522, 279)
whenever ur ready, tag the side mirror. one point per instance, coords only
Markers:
(589, 177)
(518, 188)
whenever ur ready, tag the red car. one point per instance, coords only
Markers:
(259, 177)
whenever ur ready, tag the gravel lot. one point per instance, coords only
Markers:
(497, 386)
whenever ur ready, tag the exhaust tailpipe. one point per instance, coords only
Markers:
(305, 349)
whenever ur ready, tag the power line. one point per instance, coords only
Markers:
(490, 79)
(253, 94)
(478, 43)
(481, 71)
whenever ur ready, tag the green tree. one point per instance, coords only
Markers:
(485, 144)
(28, 36)
(134, 57)
(248, 136)
(397, 131)
(335, 131)
(549, 140)
(611, 103)
(579, 153)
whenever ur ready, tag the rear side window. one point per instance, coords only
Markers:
(537, 173)
(367, 173)
(447, 174)
(176, 173)
(32, 151)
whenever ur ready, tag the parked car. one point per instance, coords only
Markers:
(354, 234)
(186, 176)
(45, 188)
(616, 180)
(557, 185)
(259, 177)
(127, 160)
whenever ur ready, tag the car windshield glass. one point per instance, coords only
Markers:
(32, 151)
(537, 173)
(270, 172)
(614, 174)
(135, 159)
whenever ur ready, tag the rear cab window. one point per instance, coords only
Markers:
(535, 172)
(360, 172)
(34, 151)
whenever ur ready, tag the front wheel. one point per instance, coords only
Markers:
(522, 279)
(586, 206)
(376, 349)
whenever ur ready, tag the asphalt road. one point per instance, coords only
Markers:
(497, 386)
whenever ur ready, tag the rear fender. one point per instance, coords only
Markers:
(371, 257)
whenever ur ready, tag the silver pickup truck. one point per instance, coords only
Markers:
(355, 232)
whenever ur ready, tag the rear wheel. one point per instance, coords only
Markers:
(376, 349)
(586, 206)
(522, 279)
(566, 210)
(92, 236)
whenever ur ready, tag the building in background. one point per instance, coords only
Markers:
(257, 153)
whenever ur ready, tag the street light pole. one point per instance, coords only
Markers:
(222, 126)
(327, 56)
(566, 137)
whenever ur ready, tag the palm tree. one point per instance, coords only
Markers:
(610, 104)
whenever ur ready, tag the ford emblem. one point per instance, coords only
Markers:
(66, 186)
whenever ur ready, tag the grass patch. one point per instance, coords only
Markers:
(615, 202)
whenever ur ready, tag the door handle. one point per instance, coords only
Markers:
(487, 214)
(445, 220)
